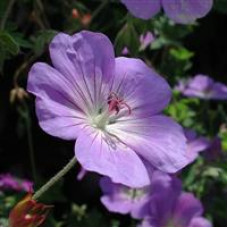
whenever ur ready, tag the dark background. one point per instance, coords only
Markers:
(51, 154)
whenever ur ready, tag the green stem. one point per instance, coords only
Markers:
(55, 179)
(31, 148)
(6, 15)
(41, 10)
(26, 116)
(99, 9)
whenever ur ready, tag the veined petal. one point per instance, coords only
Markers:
(186, 11)
(59, 120)
(58, 111)
(158, 139)
(143, 9)
(98, 152)
(140, 87)
(87, 60)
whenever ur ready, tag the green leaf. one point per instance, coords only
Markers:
(41, 39)
(8, 43)
(128, 37)
(181, 53)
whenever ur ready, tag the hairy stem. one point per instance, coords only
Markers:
(55, 179)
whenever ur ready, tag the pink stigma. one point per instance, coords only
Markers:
(116, 103)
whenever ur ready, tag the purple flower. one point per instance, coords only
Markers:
(204, 87)
(110, 105)
(136, 201)
(214, 152)
(180, 11)
(145, 40)
(9, 182)
(174, 208)
(195, 144)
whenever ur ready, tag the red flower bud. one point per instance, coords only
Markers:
(28, 213)
(75, 13)
(86, 19)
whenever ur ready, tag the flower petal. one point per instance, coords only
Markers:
(196, 146)
(141, 88)
(219, 91)
(186, 11)
(98, 152)
(108, 187)
(57, 110)
(200, 222)
(187, 207)
(122, 199)
(163, 202)
(114, 199)
(117, 205)
(87, 60)
(143, 9)
(157, 139)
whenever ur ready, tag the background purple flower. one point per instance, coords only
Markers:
(195, 144)
(172, 207)
(122, 199)
(214, 151)
(12, 183)
(145, 40)
(111, 105)
(203, 87)
(180, 11)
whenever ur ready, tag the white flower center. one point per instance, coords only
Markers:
(100, 121)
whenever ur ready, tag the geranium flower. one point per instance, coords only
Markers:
(203, 87)
(173, 208)
(180, 11)
(136, 201)
(28, 213)
(110, 105)
(10, 182)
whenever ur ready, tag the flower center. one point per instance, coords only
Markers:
(134, 194)
(108, 115)
(115, 103)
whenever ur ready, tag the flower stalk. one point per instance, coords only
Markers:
(54, 179)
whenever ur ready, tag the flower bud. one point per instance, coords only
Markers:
(28, 213)
(75, 14)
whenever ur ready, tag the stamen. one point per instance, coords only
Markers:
(115, 103)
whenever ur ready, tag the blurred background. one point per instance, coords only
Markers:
(176, 52)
